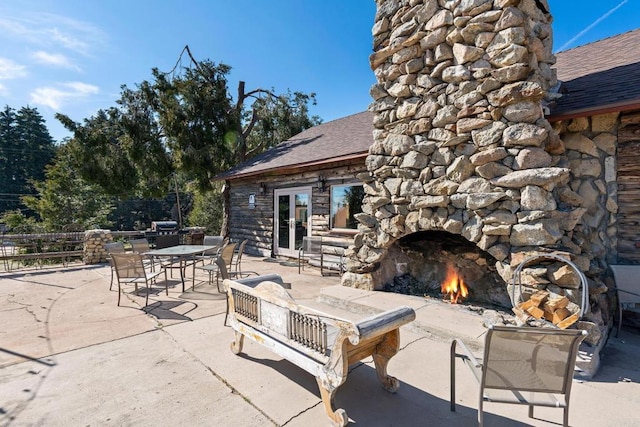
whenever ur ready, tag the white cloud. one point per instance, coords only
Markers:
(46, 29)
(55, 97)
(10, 69)
(3, 90)
(54, 59)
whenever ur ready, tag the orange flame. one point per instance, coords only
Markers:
(454, 286)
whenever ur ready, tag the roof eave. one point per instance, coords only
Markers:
(633, 104)
(325, 162)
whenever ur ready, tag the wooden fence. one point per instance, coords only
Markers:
(40, 249)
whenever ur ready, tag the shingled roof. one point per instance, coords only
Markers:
(345, 138)
(599, 77)
(596, 78)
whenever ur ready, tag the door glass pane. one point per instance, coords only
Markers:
(302, 218)
(283, 221)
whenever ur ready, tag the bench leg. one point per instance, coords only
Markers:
(338, 417)
(236, 344)
(384, 351)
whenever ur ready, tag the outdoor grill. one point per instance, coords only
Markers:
(164, 226)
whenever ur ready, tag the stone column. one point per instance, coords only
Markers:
(94, 250)
(461, 143)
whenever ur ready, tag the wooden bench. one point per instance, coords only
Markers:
(321, 344)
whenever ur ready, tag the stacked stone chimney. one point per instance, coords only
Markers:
(461, 142)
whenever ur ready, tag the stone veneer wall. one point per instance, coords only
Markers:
(94, 250)
(461, 142)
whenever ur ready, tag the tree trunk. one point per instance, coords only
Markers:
(226, 209)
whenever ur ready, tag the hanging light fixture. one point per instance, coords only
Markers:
(321, 183)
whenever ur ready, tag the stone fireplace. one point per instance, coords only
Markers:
(463, 154)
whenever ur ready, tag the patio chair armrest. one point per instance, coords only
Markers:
(465, 352)
(627, 292)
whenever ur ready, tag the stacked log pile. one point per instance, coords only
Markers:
(556, 309)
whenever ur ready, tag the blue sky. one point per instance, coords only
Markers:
(72, 56)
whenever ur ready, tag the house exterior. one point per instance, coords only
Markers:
(298, 187)
(287, 192)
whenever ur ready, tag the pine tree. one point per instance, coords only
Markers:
(26, 147)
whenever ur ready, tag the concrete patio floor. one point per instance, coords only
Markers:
(71, 357)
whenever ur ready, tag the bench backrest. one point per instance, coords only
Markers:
(269, 308)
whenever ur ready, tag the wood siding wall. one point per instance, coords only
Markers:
(257, 224)
(629, 188)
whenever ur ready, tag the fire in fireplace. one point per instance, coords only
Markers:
(453, 287)
(426, 262)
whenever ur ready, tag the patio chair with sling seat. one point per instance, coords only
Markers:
(130, 269)
(627, 287)
(211, 255)
(113, 248)
(226, 255)
(522, 365)
(235, 269)
(311, 249)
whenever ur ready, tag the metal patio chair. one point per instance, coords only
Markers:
(130, 269)
(211, 255)
(113, 248)
(522, 365)
(311, 249)
(226, 255)
(627, 287)
(235, 268)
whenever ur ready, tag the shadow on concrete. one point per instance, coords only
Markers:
(27, 357)
(368, 404)
(620, 358)
(164, 309)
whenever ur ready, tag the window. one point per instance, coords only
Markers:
(346, 201)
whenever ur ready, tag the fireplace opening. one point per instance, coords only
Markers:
(427, 262)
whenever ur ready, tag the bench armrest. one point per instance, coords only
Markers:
(381, 323)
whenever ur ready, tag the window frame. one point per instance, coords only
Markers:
(343, 230)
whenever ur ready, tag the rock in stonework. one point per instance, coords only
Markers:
(535, 234)
(466, 125)
(482, 200)
(580, 143)
(456, 74)
(516, 92)
(532, 157)
(493, 170)
(604, 122)
(460, 169)
(463, 53)
(489, 155)
(511, 73)
(366, 220)
(397, 145)
(441, 186)
(534, 198)
(414, 160)
(524, 134)
(524, 111)
(586, 167)
(539, 176)
(475, 185)
(488, 135)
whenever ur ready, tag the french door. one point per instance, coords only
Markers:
(292, 215)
